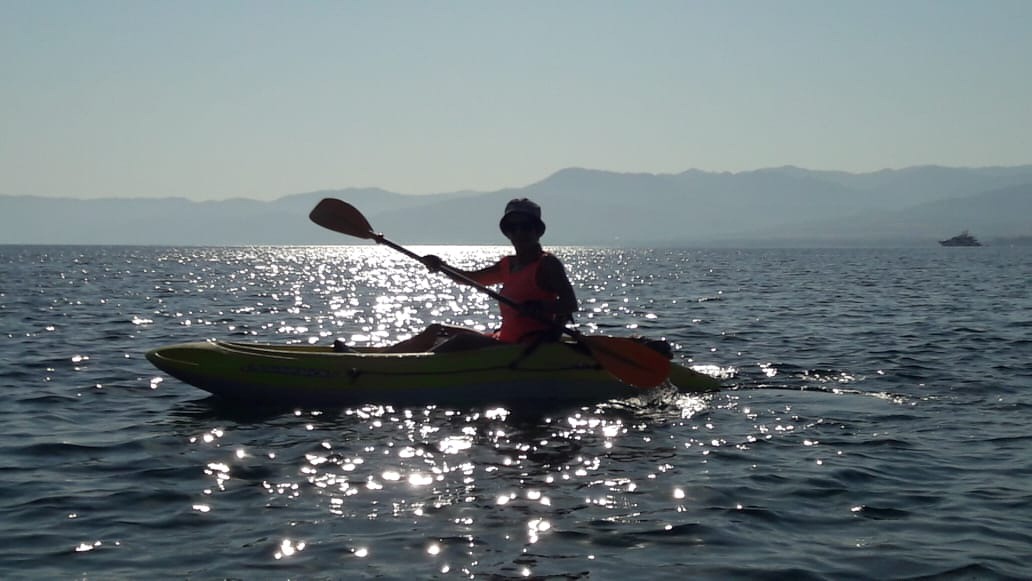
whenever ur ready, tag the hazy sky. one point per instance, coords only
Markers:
(218, 99)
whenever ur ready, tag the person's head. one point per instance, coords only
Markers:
(522, 214)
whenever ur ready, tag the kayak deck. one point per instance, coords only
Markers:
(306, 374)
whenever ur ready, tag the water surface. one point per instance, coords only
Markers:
(874, 423)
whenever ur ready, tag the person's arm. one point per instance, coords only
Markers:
(485, 276)
(552, 277)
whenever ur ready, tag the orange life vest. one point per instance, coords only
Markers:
(521, 286)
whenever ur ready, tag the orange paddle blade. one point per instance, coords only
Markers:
(628, 360)
(341, 217)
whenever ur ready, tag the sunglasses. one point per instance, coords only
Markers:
(518, 225)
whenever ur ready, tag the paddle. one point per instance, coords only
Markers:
(628, 360)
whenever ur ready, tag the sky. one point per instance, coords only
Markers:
(265, 98)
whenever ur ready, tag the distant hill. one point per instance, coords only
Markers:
(1003, 213)
(914, 205)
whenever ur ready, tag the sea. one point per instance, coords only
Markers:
(874, 421)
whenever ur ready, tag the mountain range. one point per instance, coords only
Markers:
(779, 206)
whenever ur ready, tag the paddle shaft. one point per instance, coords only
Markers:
(455, 274)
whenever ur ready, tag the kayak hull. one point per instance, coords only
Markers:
(316, 375)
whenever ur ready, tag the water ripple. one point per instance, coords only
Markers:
(874, 424)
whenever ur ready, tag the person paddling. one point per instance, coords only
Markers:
(533, 278)
(629, 360)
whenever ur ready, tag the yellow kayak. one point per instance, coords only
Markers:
(317, 375)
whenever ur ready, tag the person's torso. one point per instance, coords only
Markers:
(521, 285)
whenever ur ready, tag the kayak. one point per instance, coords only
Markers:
(318, 375)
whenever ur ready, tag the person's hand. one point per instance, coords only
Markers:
(432, 262)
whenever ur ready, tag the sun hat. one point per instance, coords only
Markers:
(522, 207)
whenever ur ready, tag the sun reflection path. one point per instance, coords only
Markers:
(375, 296)
(371, 295)
(479, 485)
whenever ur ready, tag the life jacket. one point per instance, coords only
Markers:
(521, 286)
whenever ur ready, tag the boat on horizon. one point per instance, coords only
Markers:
(963, 239)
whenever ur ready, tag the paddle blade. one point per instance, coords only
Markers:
(341, 217)
(628, 360)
